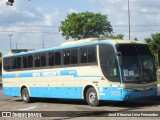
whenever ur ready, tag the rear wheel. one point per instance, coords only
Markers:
(91, 97)
(25, 95)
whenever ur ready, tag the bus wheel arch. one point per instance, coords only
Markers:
(25, 94)
(90, 91)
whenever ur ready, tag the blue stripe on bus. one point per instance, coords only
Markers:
(47, 92)
(11, 91)
(46, 74)
(112, 93)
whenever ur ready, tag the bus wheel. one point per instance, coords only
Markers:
(91, 97)
(25, 95)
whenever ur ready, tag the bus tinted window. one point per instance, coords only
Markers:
(30, 61)
(143, 49)
(37, 60)
(6, 63)
(92, 54)
(43, 59)
(13, 63)
(24, 65)
(51, 58)
(108, 63)
(58, 58)
(74, 56)
(83, 55)
(66, 56)
(19, 63)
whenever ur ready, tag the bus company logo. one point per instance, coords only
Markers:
(6, 114)
(16, 75)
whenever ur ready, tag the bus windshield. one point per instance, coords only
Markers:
(137, 64)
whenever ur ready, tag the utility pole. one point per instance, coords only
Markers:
(43, 42)
(129, 24)
(10, 35)
(16, 45)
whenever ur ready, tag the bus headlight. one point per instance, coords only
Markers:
(155, 87)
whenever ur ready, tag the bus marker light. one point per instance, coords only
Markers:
(144, 95)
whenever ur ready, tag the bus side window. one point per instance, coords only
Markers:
(66, 57)
(83, 55)
(13, 62)
(19, 62)
(91, 54)
(43, 59)
(24, 65)
(74, 56)
(58, 58)
(51, 58)
(6, 63)
(30, 61)
(37, 61)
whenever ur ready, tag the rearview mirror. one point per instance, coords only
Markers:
(118, 53)
(119, 57)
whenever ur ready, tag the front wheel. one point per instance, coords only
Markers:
(91, 97)
(25, 95)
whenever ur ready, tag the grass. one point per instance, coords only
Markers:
(0, 79)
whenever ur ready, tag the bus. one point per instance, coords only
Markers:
(91, 69)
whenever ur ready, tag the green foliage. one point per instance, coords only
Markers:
(111, 36)
(85, 25)
(154, 44)
(10, 2)
(136, 39)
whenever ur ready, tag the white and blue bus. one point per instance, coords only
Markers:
(90, 69)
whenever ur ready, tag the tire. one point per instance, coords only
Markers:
(91, 97)
(25, 95)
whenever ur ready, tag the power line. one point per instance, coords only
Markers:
(36, 25)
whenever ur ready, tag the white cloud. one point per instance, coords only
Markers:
(30, 21)
(71, 10)
(39, 9)
(28, 14)
(6, 10)
(50, 18)
(142, 12)
(28, 25)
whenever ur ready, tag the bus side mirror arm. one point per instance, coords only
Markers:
(119, 58)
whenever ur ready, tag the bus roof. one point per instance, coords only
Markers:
(80, 43)
(114, 41)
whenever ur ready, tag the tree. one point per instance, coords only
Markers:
(111, 36)
(136, 39)
(154, 44)
(10, 2)
(85, 25)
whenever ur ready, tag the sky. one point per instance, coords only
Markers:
(31, 22)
